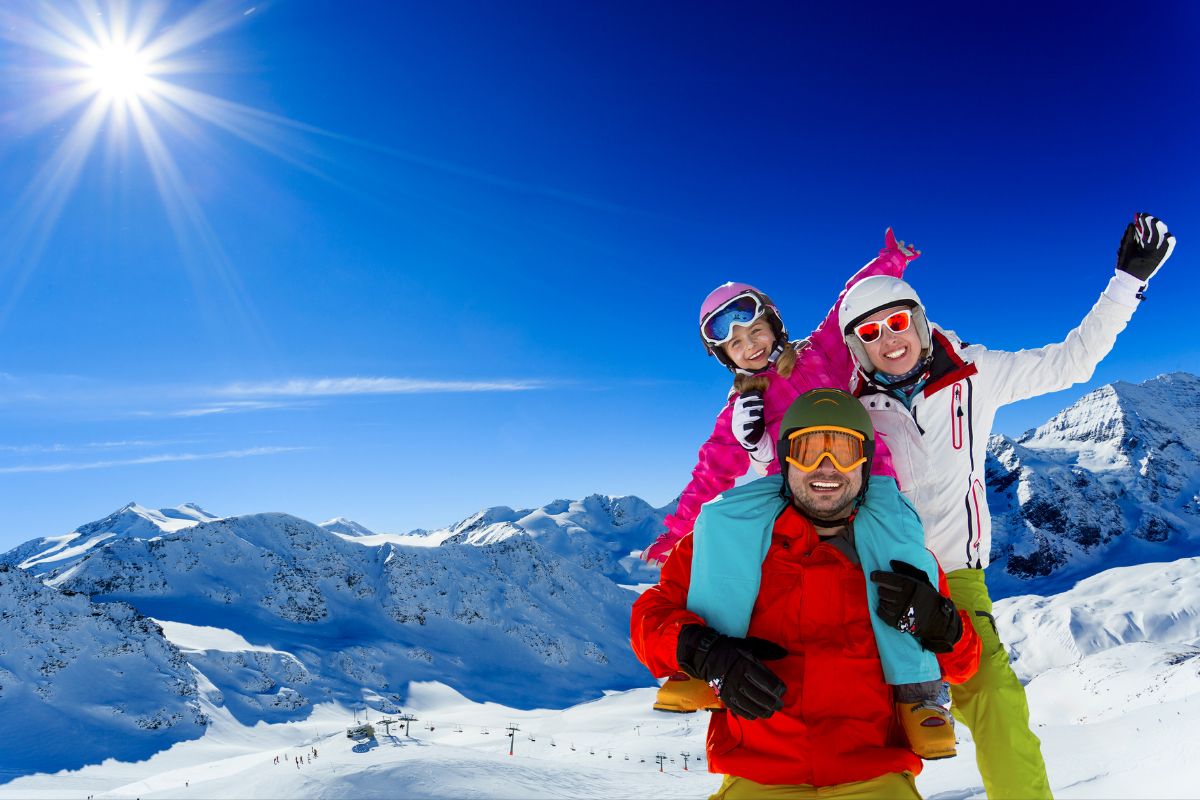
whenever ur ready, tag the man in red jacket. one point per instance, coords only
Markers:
(820, 716)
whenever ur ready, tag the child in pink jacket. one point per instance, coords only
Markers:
(742, 328)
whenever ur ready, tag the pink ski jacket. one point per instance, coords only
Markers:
(822, 361)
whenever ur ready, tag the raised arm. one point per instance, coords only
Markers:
(826, 361)
(1144, 248)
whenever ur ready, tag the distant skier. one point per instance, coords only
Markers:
(767, 599)
(934, 398)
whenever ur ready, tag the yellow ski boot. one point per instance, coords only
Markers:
(929, 728)
(683, 694)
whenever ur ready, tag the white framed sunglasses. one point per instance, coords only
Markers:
(897, 322)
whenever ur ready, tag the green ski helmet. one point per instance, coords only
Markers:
(821, 407)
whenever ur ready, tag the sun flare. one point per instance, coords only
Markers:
(125, 73)
(119, 71)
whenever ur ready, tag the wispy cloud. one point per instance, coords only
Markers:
(127, 444)
(156, 459)
(58, 394)
(332, 387)
(231, 407)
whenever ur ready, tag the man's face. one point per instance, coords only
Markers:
(825, 493)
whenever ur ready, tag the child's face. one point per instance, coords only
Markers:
(893, 353)
(751, 345)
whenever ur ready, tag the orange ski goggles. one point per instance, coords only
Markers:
(842, 446)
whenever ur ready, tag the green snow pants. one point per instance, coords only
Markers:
(992, 704)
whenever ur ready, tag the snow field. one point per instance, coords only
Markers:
(456, 759)
(1115, 724)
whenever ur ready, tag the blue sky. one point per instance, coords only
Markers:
(416, 259)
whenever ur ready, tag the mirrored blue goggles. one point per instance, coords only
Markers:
(717, 327)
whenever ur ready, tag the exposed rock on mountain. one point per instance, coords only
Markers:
(1112, 480)
(73, 670)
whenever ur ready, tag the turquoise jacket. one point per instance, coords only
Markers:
(730, 542)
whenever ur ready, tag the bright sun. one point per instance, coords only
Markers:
(119, 71)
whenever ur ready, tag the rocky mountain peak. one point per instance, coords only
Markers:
(1114, 479)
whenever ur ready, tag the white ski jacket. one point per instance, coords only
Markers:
(939, 447)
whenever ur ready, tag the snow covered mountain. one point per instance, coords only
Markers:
(142, 627)
(100, 670)
(293, 615)
(598, 532)
(131, 520)
(1112, 667)
(1112, 480)
(346, 527)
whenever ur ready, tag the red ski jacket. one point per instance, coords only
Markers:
(838, 722)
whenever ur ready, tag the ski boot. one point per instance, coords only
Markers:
(683, 694)
(929, 728)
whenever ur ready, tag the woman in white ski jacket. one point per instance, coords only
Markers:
(933, 399)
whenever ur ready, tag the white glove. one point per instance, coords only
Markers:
(748, 422)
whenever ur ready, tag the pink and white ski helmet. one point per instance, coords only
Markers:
(733, 304)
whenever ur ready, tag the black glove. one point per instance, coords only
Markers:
(747, 688)
(1145, 247)
(910, 603)
(748, 421)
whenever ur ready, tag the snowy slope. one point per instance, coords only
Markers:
(1116, 715)
(334, 620)
(346, 527)
(73, 671)
(1112, 480)
(598, 532)
(1155, 603)
(605, 748)
(130, 520)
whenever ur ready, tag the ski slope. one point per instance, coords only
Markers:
(1093, 748)
(1116, 713)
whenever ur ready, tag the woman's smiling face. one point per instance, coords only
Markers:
(893, 353)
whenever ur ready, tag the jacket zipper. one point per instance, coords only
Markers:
(913, 412)
(956, 417)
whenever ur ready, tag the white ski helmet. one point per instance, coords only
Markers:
(875, 294)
